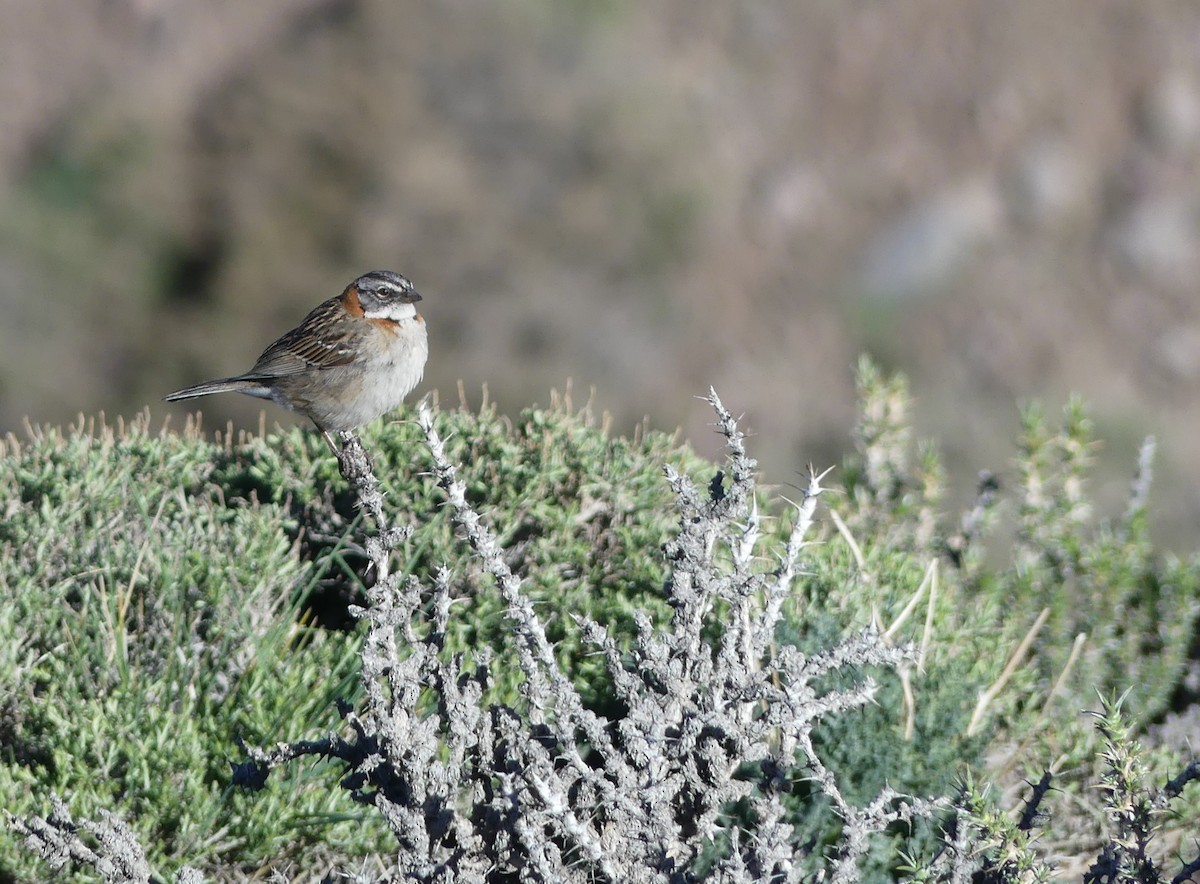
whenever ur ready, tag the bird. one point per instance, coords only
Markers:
(352, 359)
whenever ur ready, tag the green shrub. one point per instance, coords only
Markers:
(165, 588)
(169, 597)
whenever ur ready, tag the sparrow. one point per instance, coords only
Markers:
(353, 358)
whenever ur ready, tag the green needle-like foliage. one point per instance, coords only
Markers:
(167, 600)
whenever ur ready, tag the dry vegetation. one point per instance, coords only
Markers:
(548, 683)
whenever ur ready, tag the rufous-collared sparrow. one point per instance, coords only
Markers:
(353, 358)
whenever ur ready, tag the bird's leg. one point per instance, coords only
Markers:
(355, 466)
(351, 456)
(345, 454)
(337, 452)
(341, 451)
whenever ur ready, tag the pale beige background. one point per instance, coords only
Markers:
(1001, 199)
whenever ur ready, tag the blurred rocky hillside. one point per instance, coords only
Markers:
(1001, 199)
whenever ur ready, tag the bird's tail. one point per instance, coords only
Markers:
(222, 385)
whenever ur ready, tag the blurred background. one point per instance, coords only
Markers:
(1001, 200)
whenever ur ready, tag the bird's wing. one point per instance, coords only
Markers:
(322, 340)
